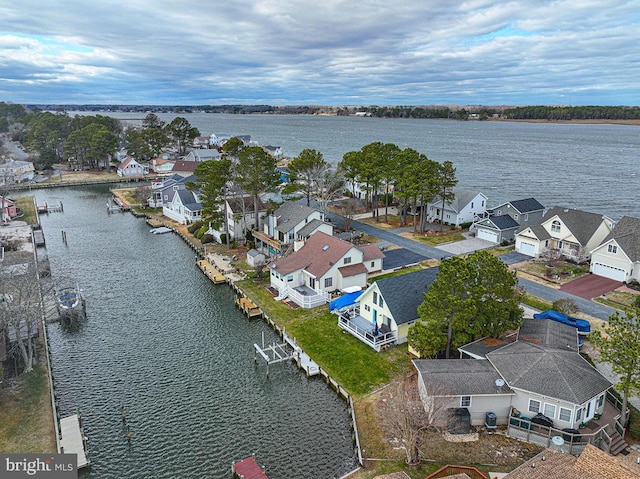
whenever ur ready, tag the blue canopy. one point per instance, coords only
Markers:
(345, 300)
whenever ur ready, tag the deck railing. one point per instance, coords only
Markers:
(305, 301)
(366, 336)
(573, 443)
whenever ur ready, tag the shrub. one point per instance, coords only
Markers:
(637, 301)
(566, 306)
(206, 238)
(634, 423)
(201, 231)
(192, 228)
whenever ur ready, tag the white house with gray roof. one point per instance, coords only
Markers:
(281, 227)
(539, 371)
(383, 314)
(501, 223)
(178, 203)
(618, 256)
(564, 232)
(464, 208)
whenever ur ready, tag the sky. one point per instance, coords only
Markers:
(320, 52)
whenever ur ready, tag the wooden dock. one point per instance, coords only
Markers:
(248, 307)
(38, 238)
(211, 272)
(72, 440)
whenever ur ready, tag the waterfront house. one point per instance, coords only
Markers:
(282, 226)
(325, 264)
(15, 171)
(564, 233)
(310, 228)
(383, 314)
(131, 168)
(240, 214)
(9, 209)
(501, 223)
(179, 203)
(618, 256)
(372, 257)
(466, 205)
(217, 141)
(200, 155)
(540, 373)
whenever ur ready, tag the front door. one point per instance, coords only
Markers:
(375, 316)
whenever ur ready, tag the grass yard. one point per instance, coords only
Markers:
(618, 299)
(356, 366)
(436, 239)
(535, 302)
(28, 207)
(26, 418)
(557, 271)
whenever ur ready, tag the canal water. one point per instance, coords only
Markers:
(170, 346)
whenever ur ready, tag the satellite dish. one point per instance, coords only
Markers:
(499, 382)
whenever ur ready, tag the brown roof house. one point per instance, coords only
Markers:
(325, 264)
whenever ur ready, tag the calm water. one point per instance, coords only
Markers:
(170, 346)
(591, 167)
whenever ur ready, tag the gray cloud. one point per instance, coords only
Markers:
(331, 52)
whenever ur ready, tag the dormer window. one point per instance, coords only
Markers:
(555, 226)
(347, 260)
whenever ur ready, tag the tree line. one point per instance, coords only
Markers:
(542, 112)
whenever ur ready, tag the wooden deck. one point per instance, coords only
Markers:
(72, 440)
(211, 271)
(248, 307)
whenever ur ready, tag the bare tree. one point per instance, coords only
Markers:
(21, 308)
(348, 211)
(142, 194)
(330, 184)
(405, 414)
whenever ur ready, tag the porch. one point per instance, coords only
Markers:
(365, 330)
(304, 296)
(606, 432)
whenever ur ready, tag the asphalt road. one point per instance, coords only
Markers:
(588, 307)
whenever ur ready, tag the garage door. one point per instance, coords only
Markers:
(528, 249)
(609, 272)
(488, 235)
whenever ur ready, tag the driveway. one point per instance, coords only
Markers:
(590, 286)
(468, 245)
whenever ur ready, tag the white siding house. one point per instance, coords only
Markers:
(618, 257)
(465, 207)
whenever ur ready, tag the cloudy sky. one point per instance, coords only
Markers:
(331, 52)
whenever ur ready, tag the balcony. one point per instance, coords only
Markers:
(364, 330)
(304, 296)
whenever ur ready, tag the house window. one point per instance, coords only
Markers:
(612, 248)
(347, 260)
(290, 278)
(579, 414)
(561, 244)
(472, 205)
(550, 410)
(373, 264)
(465, 401)
(328, 282)
(600, 401)
(546, 244)
(381, 302)
(367, 307)
(375, 297)
(526, 216)
(565, 414)
(515, 217)
(555, 226)
(534, 406)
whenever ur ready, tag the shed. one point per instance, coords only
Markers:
(255, 258)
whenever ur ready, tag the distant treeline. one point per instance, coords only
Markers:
(539, 112)
(572, 113)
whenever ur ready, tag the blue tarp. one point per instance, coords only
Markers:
(345, 300)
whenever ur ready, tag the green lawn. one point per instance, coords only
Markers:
(440, 239)
(28, 207)
(353, 364)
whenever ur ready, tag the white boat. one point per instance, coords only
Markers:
(160, 230)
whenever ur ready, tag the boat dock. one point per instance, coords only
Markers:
(287, 350)
(248, 307)
(38, 238)
(49, 207)
(211, 271)
(72, 439)
(248, 469)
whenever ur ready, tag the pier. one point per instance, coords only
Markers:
(49, 207)
(211, 271)
(72, 439)
(287, 350)
(248, 307)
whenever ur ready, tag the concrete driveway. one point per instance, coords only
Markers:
(590, 286)
(468, 245)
